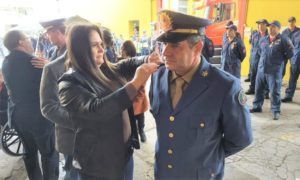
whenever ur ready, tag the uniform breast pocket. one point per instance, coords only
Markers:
(199, 129)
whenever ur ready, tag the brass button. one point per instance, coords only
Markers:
(170, 151)
(170, 166)
(171, 135)
(202, 125)
(172, 118)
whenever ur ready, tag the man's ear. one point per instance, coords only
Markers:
(198, 47)
(20, 42)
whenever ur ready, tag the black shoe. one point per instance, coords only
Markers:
(287, 99)
(249, 92)
(276, 115)
(267, 96)
(143, 136)
(247, 80)
(255, 110)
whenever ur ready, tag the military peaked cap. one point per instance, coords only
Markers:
(53, 23)
(177, 26)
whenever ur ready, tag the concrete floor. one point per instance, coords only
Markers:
(273, 155)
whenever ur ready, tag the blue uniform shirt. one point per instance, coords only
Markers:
(273, 54)
(295, 38)
(254, 41)
(210, 122)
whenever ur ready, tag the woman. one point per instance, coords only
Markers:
(94, 93)
(140, 104)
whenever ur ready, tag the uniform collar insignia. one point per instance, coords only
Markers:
(204, 73)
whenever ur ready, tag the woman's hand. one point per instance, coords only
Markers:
(142, 74)
(154, 58)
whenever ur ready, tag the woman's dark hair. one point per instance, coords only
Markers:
(107, 37)
(129, 48)
(12, 38)
(79, 52)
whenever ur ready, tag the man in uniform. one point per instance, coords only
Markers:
(254, 58)
(200, 111)
(289, 32)
(293, 32)
(55, 30)
(273, 50)
(233, 52)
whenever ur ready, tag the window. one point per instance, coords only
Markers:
(183, 6)
(223, 12)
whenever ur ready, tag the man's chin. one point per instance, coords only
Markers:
(169, 67)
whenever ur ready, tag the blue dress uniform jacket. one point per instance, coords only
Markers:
(209, 123)
(233, 53)
(270, 67)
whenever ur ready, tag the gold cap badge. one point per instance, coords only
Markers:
(165, 22)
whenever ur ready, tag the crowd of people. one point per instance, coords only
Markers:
(85, 97)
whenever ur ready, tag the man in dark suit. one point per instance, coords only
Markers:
(200, 111)
(23, 83)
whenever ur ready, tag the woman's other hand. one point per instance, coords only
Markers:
(142, 74)
(154, 58)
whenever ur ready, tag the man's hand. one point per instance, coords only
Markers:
(39, 62)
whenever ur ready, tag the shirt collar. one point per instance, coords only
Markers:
(188, 76)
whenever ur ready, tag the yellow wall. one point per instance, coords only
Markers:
(115, 14)
(271, 10)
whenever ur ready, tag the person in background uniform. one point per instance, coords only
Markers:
(208, 48)
(55, 30)
(56, 33)
(200, 111)
(23, 84)
(289, 32)
(273, 50)
(256, 35)
(96, 95)
(293, 32)
(233, 53)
